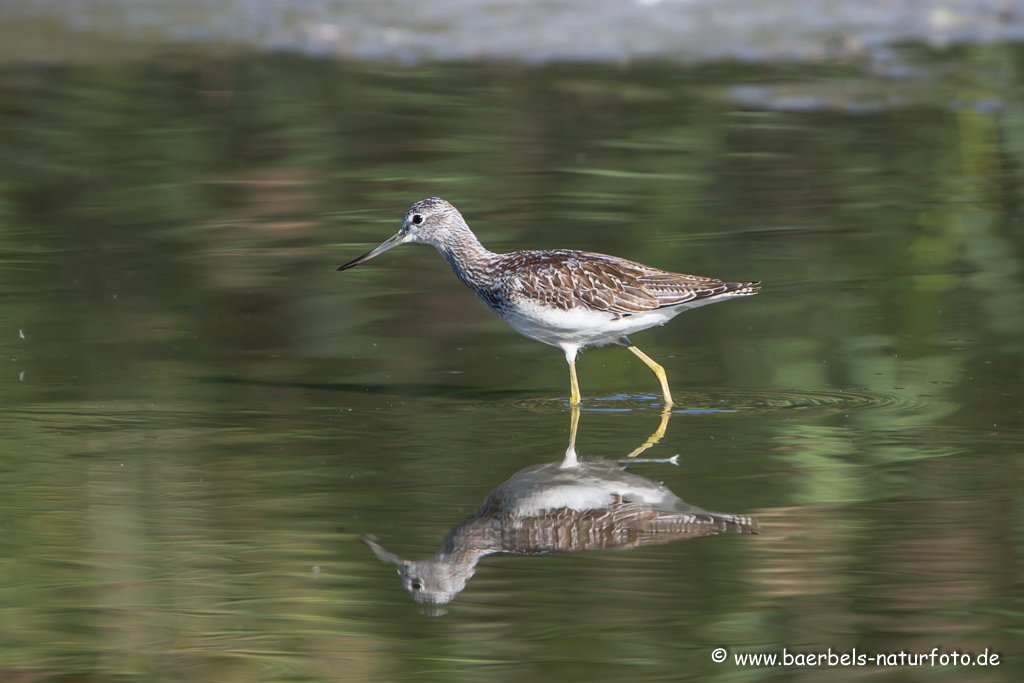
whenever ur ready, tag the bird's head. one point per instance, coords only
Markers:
(428, 221)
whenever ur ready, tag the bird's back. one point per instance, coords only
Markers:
(567, 279)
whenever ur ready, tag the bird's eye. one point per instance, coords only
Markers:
(416, 219)
(416, 585)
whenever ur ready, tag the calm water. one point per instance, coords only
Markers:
(200, 417)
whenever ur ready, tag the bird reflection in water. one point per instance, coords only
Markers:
(560, 507)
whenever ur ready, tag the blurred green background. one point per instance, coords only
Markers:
(198, 415)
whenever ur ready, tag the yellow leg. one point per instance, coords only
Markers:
(574, 389)
(658, 371)
(656, 436)
(574, 425)
(570, 459)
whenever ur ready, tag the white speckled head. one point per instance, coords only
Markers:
(430, 221)
(434, 581)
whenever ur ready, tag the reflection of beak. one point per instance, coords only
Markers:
(376, 251)
(382, 554)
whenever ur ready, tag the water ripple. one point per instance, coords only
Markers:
(711, 401)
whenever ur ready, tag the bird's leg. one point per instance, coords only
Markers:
(658, 371)
(654, 438)
(574, 424)
(570, 452)
(574, 389)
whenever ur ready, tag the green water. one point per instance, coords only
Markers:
(199, 416)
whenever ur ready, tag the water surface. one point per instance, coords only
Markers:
(200, 416)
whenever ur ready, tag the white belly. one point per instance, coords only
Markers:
(580, 327)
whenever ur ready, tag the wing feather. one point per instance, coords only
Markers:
(569, 279)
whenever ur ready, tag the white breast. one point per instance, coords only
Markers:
(579, 327)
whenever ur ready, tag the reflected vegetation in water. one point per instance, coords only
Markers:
(193, 402)
(556, 507)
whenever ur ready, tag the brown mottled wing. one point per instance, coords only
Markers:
(618, 527)
(568, 279)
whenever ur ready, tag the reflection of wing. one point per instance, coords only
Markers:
(568, 279)
(618, 527)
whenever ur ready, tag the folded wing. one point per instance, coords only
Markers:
(572, 279)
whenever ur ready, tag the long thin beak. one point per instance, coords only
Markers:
(382, 554)
(376, 251)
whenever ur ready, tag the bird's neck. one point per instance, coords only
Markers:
(465, 544)
(470, 260)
